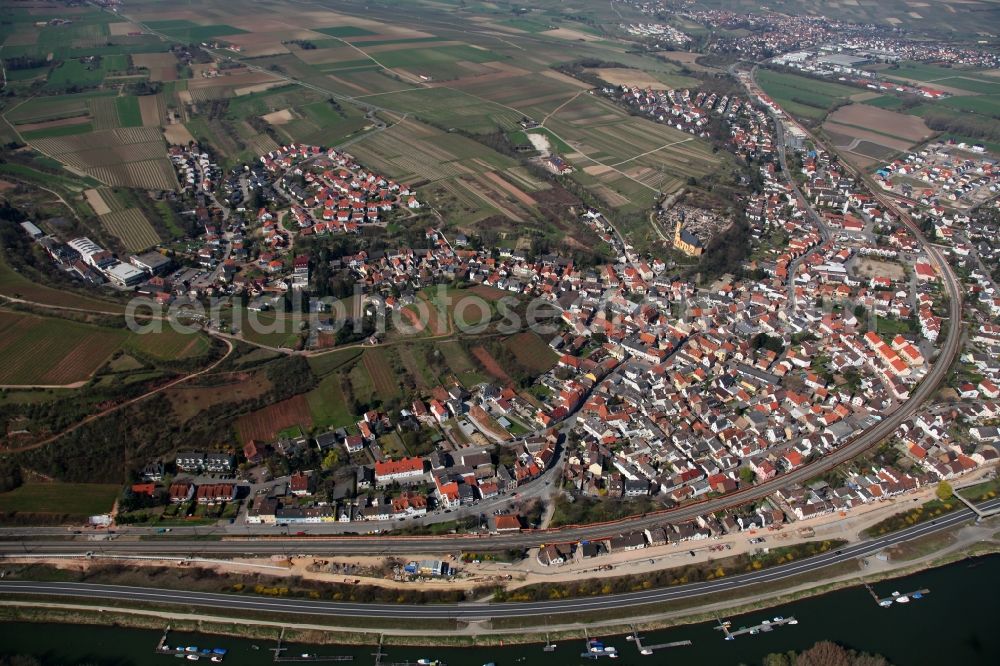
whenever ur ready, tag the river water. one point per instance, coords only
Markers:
(955, 624)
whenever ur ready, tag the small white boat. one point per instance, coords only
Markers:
(217, 659)
(193, 657)
(895, 594)
(630, 637)
(903, 599)
(793, 622)
(730, 637)
(885, 603)
(778, 618)
(646, 651)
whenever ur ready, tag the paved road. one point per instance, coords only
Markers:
(475, 610)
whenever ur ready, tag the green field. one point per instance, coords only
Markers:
(327, 404)
(186, 31)
(890, 102)
(802, 95)
(61, 130)
(986, 105)
(128, 111)
(71, 499)
(85, 74)
(924, 72)
(169, 344)
(324, 364)
(38, 109)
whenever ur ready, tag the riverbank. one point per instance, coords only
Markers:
(970, 541)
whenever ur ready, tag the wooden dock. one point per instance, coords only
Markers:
(765, 626)
(650, 649)
(305, 657)
(895, 597)
(181, 651)
(379, 653)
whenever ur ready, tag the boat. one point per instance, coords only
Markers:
(730, 637)
(595, 646)
(778, 618)
(551, 647)
(216, 658)
(430, 662)
(903, 599)
(885, 603)
(221, 651)
(754, 632)
(895, 594)
(254, 647)
(630, 637)
(646, 651)
(766, 622)
(611, 650)
(191, 648)
(489, 664)
(193, 657)
(793, 621)
(918, 595)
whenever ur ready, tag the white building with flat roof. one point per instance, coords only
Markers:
(125, 275)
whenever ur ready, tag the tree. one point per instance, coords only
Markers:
(944, 491)
(332, 459)
(746, 475)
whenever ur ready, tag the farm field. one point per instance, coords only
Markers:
(76, 500)
(327, 405)
(532, 352)
(385, 382)
(188, 401)
(867, 133)
(803, 95)
(490, 364)
(169, 344)
(265, 424)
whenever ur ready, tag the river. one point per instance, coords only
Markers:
(954, 624)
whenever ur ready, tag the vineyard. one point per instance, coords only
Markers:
(38, 350)
(126, 156)
(265, 424)
(132, 228)
(104, 112)
(386, 384)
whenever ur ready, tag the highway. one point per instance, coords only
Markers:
(471, 611)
